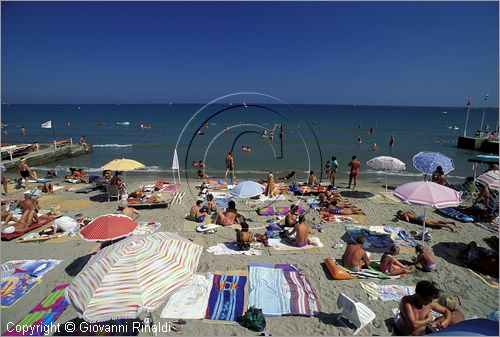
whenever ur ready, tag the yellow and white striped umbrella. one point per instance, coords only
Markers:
(133, 275)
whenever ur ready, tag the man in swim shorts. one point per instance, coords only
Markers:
(229, 165)
(354, 165)
(301, 231)
(228, 217)
(355, 256)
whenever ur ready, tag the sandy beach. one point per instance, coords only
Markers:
(477, 298)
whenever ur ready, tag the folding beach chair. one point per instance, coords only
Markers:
(113, 192)
(356, 312)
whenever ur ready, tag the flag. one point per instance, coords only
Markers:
(486, 98)
(469, 101)
(175, 162)
(47, 125)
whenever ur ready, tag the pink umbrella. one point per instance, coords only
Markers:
(490, 179)
(428, 194)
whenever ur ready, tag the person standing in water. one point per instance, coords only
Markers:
(229, 165)
(391, 141)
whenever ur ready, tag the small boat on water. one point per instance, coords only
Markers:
(444, 112)
(122, 123)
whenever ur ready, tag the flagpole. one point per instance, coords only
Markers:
(484, 112)
(467, 118)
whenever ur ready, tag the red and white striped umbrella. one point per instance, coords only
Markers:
(134, 275)
(108, 227)
(490, 179)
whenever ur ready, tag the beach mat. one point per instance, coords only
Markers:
(309, 249)
(384, 199)
(39, 319)
(386, 292)
(43, 220)
(228, 297)
(14, 288)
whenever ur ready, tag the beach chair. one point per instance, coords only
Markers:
(113, 192)
(468, 188)
(356, 312)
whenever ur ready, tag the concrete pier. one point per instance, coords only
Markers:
(49, 154)
(479, 144)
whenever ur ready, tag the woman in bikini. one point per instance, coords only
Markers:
(390, 265)
(269, 192)
(354, 164)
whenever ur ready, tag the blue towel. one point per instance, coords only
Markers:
(267, 291)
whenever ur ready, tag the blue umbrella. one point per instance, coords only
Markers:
(247, 189)
(426, 162)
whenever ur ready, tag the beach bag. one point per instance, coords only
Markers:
(254, 319)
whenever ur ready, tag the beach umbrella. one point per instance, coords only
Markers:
(386, 163)
(108, 227)
(134, 275)
(490, 179)
(123, 165)
(428, 194)
(247, 189)
(426, 162)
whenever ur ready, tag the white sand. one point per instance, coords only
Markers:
(477, 298)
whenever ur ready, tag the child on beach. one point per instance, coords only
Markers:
(425, 259)
(390, 265)
(128, 211)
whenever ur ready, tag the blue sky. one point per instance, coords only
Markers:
(383, 53)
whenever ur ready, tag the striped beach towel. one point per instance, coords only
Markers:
(43, 315)
(267, 290)
(303, 298)
(227, 298)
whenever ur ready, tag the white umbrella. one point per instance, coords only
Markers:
(386, 163)
(247, 189)
(428, 194)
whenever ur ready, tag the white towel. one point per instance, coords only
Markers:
(190, 302)
(231, 249)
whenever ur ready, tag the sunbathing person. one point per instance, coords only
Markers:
(481, 259)
(211, 205)
(128, 211)
(451, 304)
(312, 180)
(30, 215)
(291, 216)
(288, 176)
(425, 259)
(355, 256)
(390, 265)
(416, 311)
(410, 216)
(77, 174)
(228, 217)
(196, 212)
(335, 209)
(243, 237)
(8, 217)
(301, 231)
(47, 188)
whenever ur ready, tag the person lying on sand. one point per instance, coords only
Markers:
(30, 215)
(481, 259)
(425, 259)
(390, 265)
(46, 188)
(301, 231)
(355, 257)
(8, 217)
(335, 209)
(325, 202)
(416, 311)
(410, 216)
(128, 211)
(228, 217)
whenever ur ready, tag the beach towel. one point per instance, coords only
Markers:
(489, 280)
(386, 292)
(266, 290)
(277, 210)
(373, 272)
(35, 268)
(190, 302)
(281, 247)
(39, 319)
(230, 248)
(374, 237)
(303, 298)
(227, 298)
(13, 288)
(145, 228)
(41, 221)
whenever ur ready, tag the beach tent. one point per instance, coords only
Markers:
(428, 194)
(386, 164)
(470, 327)
(134, 275)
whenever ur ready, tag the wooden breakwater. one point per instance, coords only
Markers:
(49, 154)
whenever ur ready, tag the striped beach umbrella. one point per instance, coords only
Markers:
(108, 227)
(490, 179)
(134, 275)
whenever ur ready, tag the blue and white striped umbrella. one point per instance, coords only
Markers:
(426, 162)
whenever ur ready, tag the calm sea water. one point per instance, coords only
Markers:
(334, 128)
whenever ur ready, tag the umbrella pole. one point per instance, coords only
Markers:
(423, 232)
(386, 181)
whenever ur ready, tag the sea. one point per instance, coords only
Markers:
(311, 134)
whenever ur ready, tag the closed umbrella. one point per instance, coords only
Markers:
(123, 165)
(428, 194)
(134, 275)
(108, 227)
(426, 162)
(247, 189)
(387, 164)
(490, 179)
